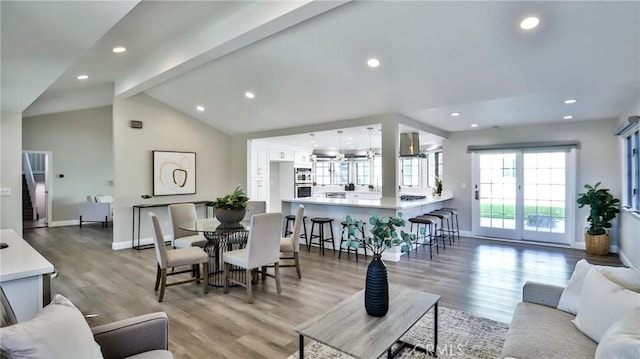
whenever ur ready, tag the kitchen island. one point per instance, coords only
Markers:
(363, 209)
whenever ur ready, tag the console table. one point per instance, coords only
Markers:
(140, 207)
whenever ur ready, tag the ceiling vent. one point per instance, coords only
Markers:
(409, 144)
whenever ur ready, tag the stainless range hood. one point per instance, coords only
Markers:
(409, 145)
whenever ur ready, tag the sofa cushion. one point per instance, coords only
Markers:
(622, 339)
(569, 302)
(58, 331)
(602, 304)
(538, 331)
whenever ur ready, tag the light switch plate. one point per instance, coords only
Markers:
(5, 191)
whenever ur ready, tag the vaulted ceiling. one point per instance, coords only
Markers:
(306, 61)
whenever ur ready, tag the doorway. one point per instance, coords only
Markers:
(524, 194)
(36, 189)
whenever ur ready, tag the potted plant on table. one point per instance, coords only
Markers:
(384, 235)
(231, 208)
(603, 210)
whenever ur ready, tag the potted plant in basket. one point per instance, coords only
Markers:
(230, 208)
(603, 210)
(384, 235)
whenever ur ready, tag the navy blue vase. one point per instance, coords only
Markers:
(376, 290)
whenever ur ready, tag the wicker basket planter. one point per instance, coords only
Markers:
(597, 244)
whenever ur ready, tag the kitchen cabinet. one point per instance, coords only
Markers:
(279, 155)
(302, 158)
(259, 189)
(259, 162)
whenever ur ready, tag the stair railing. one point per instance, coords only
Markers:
(31, 182)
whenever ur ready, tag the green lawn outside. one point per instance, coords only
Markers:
(488, 210)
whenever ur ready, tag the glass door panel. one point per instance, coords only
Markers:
(496, 194)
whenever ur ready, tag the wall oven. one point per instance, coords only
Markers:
(302, 176)
(302, 190)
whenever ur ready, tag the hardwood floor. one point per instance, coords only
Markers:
(477, 276)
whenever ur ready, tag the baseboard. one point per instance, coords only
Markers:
(72, 222)
(143, 242)
(576, 245)
(625, 260)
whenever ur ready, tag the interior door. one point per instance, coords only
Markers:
(523, 194)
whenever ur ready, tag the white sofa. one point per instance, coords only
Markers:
(96, 209)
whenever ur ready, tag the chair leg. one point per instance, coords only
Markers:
(295, 257)
(264, 273)
(157, 278)
(205, 277)
(249, 291)
(276, 268)
(163, 284)
(225, 276)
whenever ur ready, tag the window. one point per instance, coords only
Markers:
(434, 168)
(377, 171)
(323, 172)
(363, 172)
(410, 171)
(632, 156)
(341, 173)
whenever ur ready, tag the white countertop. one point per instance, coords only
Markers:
(383, 203)
(20, 260)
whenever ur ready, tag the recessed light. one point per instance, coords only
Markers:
(529, 23)
(350, 138)
(82, 77)
(455, 114)
(474, 125)
(373, 62)
(200, 108)
(567, 117)
(249, 94)
(570, 101)
(119, 49)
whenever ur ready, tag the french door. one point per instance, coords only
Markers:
(524, 194)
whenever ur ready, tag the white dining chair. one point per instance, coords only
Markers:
(254, 207)
(262, 249)
(179, 214)
(290, 246)
(191, 256)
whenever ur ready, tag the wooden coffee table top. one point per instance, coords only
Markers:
(348, 328)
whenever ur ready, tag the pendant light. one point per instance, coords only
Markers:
(340, 155)
(370, 154)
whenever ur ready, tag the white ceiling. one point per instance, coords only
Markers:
(306, 61)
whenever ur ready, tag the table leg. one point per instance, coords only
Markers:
(301, 346)
(435, 330)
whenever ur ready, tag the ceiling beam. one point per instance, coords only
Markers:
(248, 25)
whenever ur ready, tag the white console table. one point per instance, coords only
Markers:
(23, 272)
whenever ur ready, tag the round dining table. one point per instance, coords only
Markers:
(220, 238)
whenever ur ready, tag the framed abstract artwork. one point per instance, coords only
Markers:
(174, 173)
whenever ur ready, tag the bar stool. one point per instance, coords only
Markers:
(321, 221)
(445, 228)
(291, 219)
(430, 228)
(454, 218)
(349, 249)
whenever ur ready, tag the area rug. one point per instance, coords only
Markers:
(460, 335)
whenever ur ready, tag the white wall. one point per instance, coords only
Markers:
(596, 159)
(11, 170)
(629, 224)
(166, 129)
(82, 150)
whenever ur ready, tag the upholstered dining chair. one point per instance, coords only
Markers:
(179, 214)
(290, 246)
(174, 258)
(262, 249)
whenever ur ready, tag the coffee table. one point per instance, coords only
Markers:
(348, 328)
